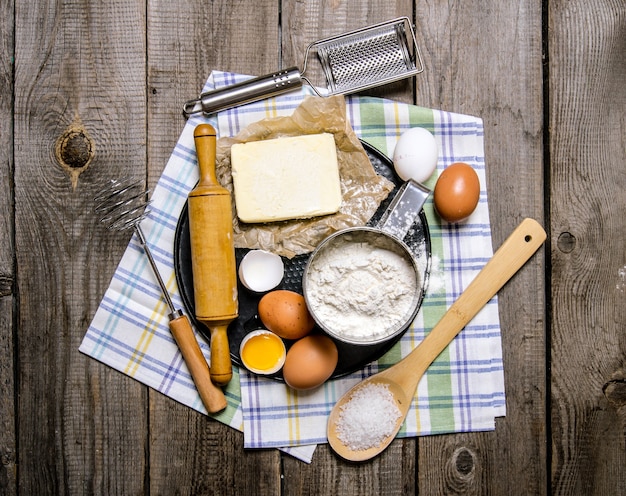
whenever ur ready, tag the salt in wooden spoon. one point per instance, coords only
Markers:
(403, 378)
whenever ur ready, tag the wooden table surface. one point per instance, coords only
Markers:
(91, 90)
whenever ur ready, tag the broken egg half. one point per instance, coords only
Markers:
(261, 271)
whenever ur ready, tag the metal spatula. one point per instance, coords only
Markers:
(352, 62)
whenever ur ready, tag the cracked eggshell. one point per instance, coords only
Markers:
(261, 271)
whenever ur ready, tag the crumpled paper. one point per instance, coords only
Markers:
(362, 188)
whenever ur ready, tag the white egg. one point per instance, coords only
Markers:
(415, 155)
(261, 270)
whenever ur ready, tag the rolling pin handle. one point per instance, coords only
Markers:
(205, 140)
(221, 365)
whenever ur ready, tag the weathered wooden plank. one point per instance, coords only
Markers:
(588, 220)
(83, 428)
(8, 441)
(306, 22)
(191, 453)
(8, 445)
(79, 119)
(484, 59)
(187, 42)
(394, 471)
(459, 464)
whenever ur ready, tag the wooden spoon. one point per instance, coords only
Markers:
(403, 378)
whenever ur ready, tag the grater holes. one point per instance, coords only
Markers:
(362, 60)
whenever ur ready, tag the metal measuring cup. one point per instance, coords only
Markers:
(388, 235)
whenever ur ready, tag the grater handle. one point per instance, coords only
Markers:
(245, 92)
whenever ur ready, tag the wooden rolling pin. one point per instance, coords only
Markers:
(213, 255)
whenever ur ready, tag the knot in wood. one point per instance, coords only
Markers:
(74, 149)
(566, 242)
(461, 469)
(615, 393)
(6, 285)
(464, 461)
(7, 458)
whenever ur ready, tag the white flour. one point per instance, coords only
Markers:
(361, 290)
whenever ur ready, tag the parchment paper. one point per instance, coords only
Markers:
(362, 188)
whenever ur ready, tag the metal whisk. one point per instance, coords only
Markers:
(123, 205)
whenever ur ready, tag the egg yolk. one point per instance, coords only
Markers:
(262, 352)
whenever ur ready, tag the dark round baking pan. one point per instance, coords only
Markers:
(351, 357)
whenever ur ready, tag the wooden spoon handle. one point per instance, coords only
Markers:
(523, 242)
(212, 397)
(221, 365)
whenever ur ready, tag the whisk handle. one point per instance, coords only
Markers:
(249, 91)
(212, 397)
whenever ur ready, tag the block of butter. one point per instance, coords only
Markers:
(286, 178)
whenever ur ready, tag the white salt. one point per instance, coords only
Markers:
(368, 417)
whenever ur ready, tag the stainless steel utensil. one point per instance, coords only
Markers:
(386, 235)
(353, 61)
(122, 205)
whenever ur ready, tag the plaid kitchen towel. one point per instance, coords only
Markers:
(462, 391)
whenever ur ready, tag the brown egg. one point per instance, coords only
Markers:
(310, 362)
(456, 192)
(286, 314)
